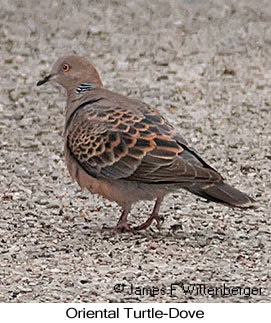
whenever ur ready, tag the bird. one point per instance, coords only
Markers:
(124, 150)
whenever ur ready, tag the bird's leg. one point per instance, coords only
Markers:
(153, 216)
(122, 225)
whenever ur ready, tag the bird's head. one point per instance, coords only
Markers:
(74, 73)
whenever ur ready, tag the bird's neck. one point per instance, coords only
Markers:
(85, 87)
(80, 89)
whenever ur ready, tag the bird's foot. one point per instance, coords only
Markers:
(146, 224)
(154, 216)
(120, 228)
(122, 225)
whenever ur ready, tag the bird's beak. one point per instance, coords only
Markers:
(46, 79)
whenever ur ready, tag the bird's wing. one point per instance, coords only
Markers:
(120, 143)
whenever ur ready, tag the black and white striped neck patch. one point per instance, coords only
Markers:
(84, 87)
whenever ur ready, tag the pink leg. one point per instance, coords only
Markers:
(153, 216)
(122, 225)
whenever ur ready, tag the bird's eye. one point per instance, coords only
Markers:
(65, 67)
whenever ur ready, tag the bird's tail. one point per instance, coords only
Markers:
(222, 193)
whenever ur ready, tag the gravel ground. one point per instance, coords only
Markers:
(206, 66)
